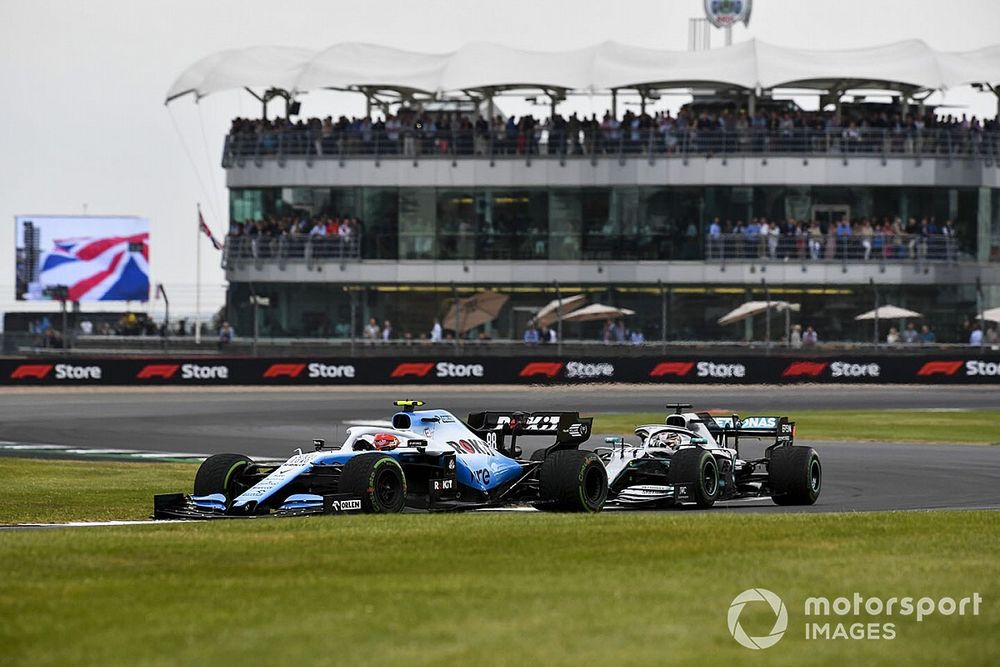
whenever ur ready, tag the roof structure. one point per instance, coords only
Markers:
(482, 67)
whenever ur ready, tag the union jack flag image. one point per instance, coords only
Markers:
(112, 265)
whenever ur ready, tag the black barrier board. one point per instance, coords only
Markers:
(971, 368)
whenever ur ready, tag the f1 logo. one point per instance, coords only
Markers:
(549, 369)
(677, 368)
(36, 371)
(164, 371)
(939, 368)
(284, 370)
(804, 368)
(415, 369)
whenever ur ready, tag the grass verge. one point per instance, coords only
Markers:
(965, 427)
(490, 589)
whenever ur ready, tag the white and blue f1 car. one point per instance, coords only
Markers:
(694, 458)
(423, 459)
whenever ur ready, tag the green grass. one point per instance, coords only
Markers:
(966, 427)
(488, 588)
(44, 490)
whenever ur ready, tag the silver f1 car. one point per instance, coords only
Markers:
(694, 458)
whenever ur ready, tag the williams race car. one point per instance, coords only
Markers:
(694, 458)
(423, 459)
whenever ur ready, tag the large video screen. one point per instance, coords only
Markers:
(82, 258)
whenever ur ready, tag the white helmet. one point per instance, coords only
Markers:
(669, 440)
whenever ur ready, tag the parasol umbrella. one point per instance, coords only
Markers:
(888, 312)
(751, 308)
(552, 311)
(473, 311)
(597, 311)
(993, 314)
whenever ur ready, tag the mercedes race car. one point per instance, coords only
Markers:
(422, 459)
(694, 458)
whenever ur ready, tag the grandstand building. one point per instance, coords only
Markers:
(435, 195)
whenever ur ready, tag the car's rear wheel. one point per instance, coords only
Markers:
(572, 481)
(698, 470)
(796, 475)
(222, 473)
(378, 480)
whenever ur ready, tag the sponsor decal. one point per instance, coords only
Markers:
(345, 505)
(36, 371)
(723, 371)
(577, 430)
(317, 370)
(415, 369)
(842, 369)
(447, 369)
(939, 368)
(804, 369)
(164, 371)
(62, 372)
(284, 370)
(759, 422)
(677, 368)
(548, 369)
(780, 618)
(580, 369)
(199, 372)
(982, 368)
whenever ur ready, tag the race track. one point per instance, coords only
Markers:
(270, 423)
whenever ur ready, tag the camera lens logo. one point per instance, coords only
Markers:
(780, 622)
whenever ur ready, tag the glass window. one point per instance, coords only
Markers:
(380, 223)
(513, 224)
(456, 214)
(565, 228)
(417, 218)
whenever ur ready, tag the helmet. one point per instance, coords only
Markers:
(665, 439)
(385, 441)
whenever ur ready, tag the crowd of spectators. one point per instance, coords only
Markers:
(859, 239)
(332, 236)
(413, 133)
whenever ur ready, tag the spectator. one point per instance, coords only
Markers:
(892, 338)
(927, 336)
(372, 331)
(809, 337)
(531, 336)
(226, 335)
(976, 337)
(992, 337)
(386, 331)
(796, 337)
(436, 331)
(910, 335)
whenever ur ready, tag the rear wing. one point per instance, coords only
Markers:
(569, 428)
(779, 428)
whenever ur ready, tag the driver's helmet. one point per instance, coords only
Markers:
(669, 440)
(385, 441)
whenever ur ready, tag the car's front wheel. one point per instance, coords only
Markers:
(698, 470)
(796, 475)
(222, 473)
(571, 480)
(378, 480)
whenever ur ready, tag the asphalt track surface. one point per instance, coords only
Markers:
(272, 422)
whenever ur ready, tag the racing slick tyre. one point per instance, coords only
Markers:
(376, 479)
(796, 476)
(572, 481)
(221, 473)
(699, 471)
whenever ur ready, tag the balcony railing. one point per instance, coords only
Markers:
(316, 144)
(878, 248)
(313, 250)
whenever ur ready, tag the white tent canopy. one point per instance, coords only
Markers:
(597, 311)
(992, 314)
(888, 312)
(750, 65)
(751, 308)
(553, 310)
